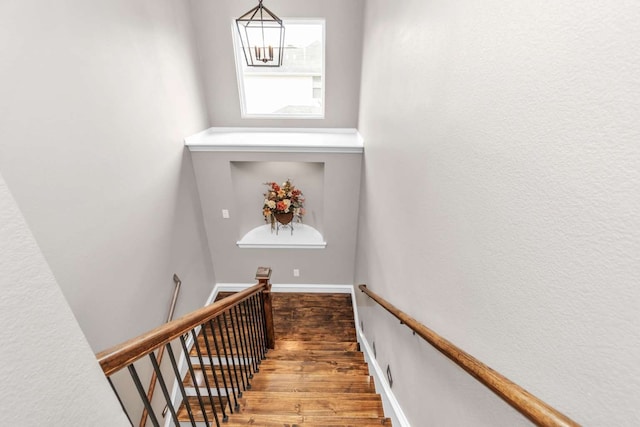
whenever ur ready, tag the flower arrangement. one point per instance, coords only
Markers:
(282, 199)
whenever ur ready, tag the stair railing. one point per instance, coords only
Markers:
(520, 399)
(160, 353)
(217, 350)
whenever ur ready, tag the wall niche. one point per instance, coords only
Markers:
(231, 166)
(248, 179)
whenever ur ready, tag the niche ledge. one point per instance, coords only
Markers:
(303, 237)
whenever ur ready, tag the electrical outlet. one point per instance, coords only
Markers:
(225, 213)
(296, 272)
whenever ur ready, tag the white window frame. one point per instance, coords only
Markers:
(240, 60)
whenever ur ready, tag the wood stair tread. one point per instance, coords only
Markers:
(319, 335)
(302, 396)
(315, 355)
(188, 381)
(306, 386)
(310, 377)
(280, 420)
(316, 375)
(321, 367)
(357, 408)
(302, 345)
(196, 409)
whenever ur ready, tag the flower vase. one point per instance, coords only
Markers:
(283, 219)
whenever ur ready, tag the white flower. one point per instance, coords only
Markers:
(271, 204)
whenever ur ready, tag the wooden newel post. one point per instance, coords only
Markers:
(262, 276)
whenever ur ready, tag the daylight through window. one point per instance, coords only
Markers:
(294, 90)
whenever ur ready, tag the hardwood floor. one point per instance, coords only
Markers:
(315, 376)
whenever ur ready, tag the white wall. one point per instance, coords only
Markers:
(501, 204)
(45, 357)
(342, 60)
(96, 98)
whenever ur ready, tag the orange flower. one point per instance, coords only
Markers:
(283, 198)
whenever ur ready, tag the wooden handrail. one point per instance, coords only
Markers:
(120, 356)
(520, 399)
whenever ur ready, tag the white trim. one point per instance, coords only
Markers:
(212, 297)
(288, 287)
(242, 245)
(230, 287)
(390, 404)
(230, 129)
(277, 140)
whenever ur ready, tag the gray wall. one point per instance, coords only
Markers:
(501, 204)
(342, 62)
(44, 352)
(331, 185)
(96, 99)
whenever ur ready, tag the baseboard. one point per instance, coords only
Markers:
(289, 287)
(390, 404)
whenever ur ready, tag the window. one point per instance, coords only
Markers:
(294, 90)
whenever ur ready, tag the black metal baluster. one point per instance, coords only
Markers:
(187, 358)
(206, 378)
(256, 325)
(224, 379)
(176, 372)
(213, 371)
(260, 325)
(163, 386)
(239, 349)
(143, 395)
(233, 358)
(247, 339)
(245, 346)
(226, 357)
(263, 320)
(120, 400)
(252, 338)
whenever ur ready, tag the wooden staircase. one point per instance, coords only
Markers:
(315, 376)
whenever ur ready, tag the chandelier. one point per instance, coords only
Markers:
(262, 37)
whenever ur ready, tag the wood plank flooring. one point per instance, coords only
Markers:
(315, 376)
